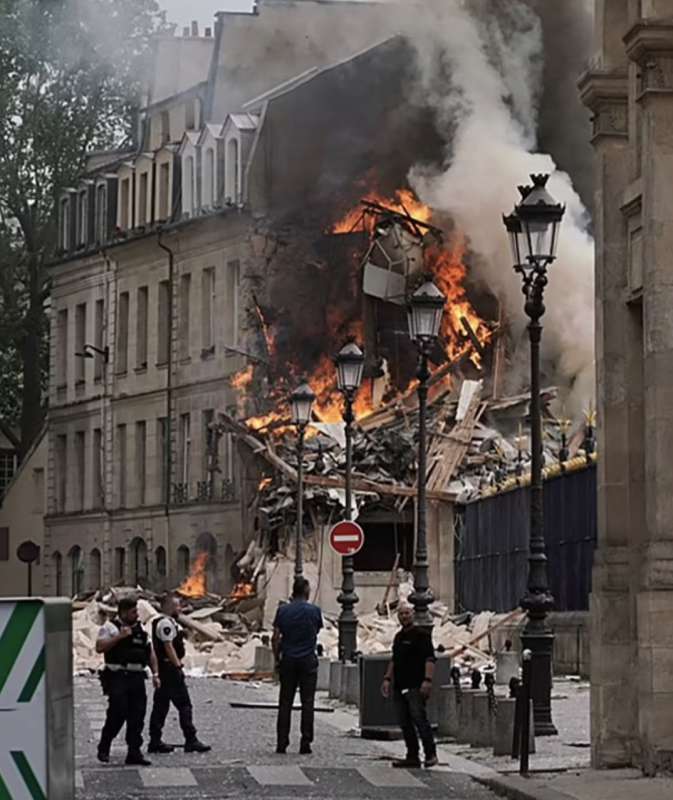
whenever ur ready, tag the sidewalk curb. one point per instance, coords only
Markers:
(518, 788)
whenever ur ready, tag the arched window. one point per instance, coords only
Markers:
(183, 561)
(139, 563)
(209, 179)
(231, 166)
(120, 564)
(160, 570)
(76, 570)
(160, 561)
(95, 570)
(57, 567)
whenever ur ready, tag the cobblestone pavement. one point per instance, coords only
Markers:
(243, 763)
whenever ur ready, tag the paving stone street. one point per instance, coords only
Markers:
(243, 762)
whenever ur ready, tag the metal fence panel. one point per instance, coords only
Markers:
(492, 548)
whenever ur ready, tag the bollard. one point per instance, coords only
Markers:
(323, 674)
(465, 713)
(481, 727)
(504, 728)
(447, 721)
(264, 659)
(348, 672)
(352, 681)
(335, 679)
(524, 693)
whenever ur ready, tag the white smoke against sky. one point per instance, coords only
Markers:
(483, 72)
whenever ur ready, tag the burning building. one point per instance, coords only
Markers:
(264, 216)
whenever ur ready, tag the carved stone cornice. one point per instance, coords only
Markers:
(605, 93)
(649, 44)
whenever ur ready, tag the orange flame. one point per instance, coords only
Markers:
(403, 202)
(264, 483)
(241, 380)
(450, 272)
(266, 330)
(242, 590)
(194, 585)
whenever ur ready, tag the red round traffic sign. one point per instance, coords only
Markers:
(346, 538)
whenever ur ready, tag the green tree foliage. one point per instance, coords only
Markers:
(71, 81)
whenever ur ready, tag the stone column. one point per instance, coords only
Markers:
(604, 90)
(649, 45)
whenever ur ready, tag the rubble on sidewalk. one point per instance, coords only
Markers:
(223, 642)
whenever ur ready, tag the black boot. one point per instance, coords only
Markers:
(410, 762)
(305, 748)
(160, 747)
(195, 746)
(137, 760)
(103, 755)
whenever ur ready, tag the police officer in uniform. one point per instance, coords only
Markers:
(169, 646)
(127, 652)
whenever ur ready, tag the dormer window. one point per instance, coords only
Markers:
(101, 213)
(125, 201)
(65, 223)
(83, 204)
(190, 116)
(164, 185)
(232, 171)
(142, 198)
(209, 178)
(188, 186)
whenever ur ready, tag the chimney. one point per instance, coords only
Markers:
(185, 32)
(208, 33)
(195, 28)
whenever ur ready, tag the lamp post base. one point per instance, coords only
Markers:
(348, 638)
(541, 645)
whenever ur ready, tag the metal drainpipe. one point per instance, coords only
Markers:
(106, 417)
(169, 377)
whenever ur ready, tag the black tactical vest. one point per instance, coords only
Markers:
(160, 647)
(132, 650)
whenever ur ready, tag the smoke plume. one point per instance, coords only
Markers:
(482, 65)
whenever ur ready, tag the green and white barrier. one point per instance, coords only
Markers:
(36, 700)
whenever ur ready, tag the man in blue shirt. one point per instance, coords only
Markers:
(295, 635)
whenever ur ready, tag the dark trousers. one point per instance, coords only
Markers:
(127, 703)
(412, 716)
(302, 673)
(173, 689)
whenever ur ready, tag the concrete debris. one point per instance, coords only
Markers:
(227, 646)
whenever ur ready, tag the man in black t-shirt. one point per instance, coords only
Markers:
(409, 674)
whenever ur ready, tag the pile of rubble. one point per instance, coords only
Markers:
(476, 446)
(222, 642)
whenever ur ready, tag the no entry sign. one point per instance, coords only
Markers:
(346, 538)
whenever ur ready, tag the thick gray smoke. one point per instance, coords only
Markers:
(482, 64)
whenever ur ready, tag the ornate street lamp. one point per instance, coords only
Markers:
(533, 230)
(424, 314)
(350, 363)
(301, 401)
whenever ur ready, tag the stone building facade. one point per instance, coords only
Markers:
(166, 253)
(629, 90)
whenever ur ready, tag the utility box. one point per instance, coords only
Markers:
(37, 757)
(378, 719)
